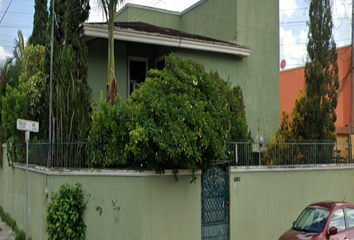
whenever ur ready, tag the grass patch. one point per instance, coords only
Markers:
(5, 217)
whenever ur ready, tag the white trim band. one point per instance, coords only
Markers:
(102, 173)
(133, 5)
(101, 31)
(290, 168)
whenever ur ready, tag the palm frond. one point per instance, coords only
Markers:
(105, 6)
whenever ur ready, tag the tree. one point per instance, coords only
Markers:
(19, 46)
(71, 92)
(27, 101)
(234, 96)
(74, 96)
(180, 118)
(13, 65)
(239, 126)
(40, 21)
(109, 8)
(281, 150)
(321, 74)
(59, 33)
(298, 126)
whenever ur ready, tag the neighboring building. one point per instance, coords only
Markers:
(239, 39)
(293, 80)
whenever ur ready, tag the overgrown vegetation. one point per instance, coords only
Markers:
(313, 116)
(179, 119)
(64, 218)
(321, 74)
(5, 217)
(27, 101)
(25, 80)
(40, 21)
(10, 73)
(110, 7)
(72, 104)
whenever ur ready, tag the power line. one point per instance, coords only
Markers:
(4, 35)
(20, 13)
(5, 12)
(16, 26)
(305, 8)
(305, 21)
(147, 9)
(6, 41)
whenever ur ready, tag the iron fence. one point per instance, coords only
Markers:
(239, 153)
(79, 155)
(253, 153)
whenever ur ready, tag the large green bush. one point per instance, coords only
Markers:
(27, 101)
(65, 214)
(180, 118)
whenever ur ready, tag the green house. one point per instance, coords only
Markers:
(239, 39)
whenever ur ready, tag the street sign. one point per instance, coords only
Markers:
(26, 125)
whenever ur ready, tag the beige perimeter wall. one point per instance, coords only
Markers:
(265, 202)
(143, 205)
(120, 204)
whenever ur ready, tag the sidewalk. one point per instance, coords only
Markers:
(6, 232)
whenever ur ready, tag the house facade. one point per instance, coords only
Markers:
(239, 39)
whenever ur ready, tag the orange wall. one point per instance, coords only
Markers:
(291, 81)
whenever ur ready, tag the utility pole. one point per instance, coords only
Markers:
(49, 162)
(351, 92)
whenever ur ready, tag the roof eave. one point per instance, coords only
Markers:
(164, 40)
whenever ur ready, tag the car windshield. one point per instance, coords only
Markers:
(312, 220)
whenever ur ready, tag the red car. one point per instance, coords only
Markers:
(323, 221)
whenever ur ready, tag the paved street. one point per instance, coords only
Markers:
(6, 232)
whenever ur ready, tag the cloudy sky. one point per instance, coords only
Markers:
(293, 15)
(292, 26)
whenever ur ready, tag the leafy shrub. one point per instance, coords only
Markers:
(20, 236)
(65, 214)
(180, 118)
(27, 101)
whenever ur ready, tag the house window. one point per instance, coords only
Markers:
(160, 62)
(137, 72)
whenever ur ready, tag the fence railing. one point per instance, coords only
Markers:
(67, 155)
(57, 155)
(287, 153)
(239, 153)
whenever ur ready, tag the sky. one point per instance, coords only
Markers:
(293, 30)
(293, 15)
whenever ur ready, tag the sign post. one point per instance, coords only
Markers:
(27, 126)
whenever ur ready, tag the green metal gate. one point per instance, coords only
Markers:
(215, 204)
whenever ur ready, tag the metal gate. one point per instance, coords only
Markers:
(215, 204)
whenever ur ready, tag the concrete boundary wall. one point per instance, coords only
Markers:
(144, 205)
(120, 204)
(265, 202)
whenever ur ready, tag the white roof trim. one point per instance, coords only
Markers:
(164, 40)
(147, 8)
(193, 6)
(160, 9)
